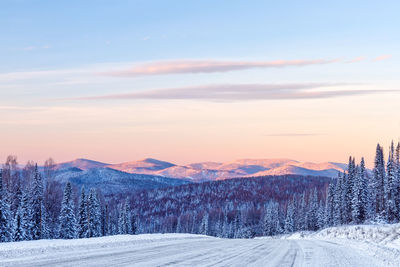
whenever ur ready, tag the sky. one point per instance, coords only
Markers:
(190, 81)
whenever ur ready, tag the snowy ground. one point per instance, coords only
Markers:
(369, 246)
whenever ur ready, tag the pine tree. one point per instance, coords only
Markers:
(46, 221)
(25, 213)
(330, 202)
(364, 191)
(5, 215)
(379, 183)
(349, 184)
(18, 233)
(36, 205)
(82, 216)
(124, 222)
(204, 226)
(396, 182)
(337, 218)
(356, 199)
(67, 217)
(289, 226)
(94, 215)
(390, 178)
(312, 211)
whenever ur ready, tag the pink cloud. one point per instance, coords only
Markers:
(357, 59)
(208, 66)
(382, 57)
(239, 92)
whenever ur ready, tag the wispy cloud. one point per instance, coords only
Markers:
(357, 59)
(31, 48)
(382, 57)
(207, 66)
(240, 92)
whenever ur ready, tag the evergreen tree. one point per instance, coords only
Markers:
(204, 226)
(46, 221)
(36, 205)
(390, 178)
(82, 216)
(5, 215)
(379, 182)
(396, 182)
(337, 218)
(25, 213)
(18, 233)
(289, 226)
(356, 199)
(349, 184)
(67, 217)
(94, 215)
(330, 202)
(124, 223)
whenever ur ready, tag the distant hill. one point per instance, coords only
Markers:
(114, 181)
(210, 171)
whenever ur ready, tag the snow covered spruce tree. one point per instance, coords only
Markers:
(360, 195)
(36, 205)
(379, 183)
(83, 228)
(124, 221)
(390, 187)
(18, 233)
(67, 217)
(94, 214)
(289, 226)
(4, 214)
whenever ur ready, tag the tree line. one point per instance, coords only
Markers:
(32, 209)
(33, 205)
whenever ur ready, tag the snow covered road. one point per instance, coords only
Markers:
(182, 250)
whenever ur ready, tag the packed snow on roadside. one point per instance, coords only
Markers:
(380, 240)
(45, 246)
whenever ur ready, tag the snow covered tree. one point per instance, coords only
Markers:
(82, 216)
(204, 226)
(396, 182)
(338, 200)
(26, 217)
(124, 222)
(360, 195)
(379, 182)
(349, 185)
(94, 215)
(18, 232)
(329, 209)
(311, 216)
(36, 205)
(5, 215)
(289, 226)
(67, 217)
(391, 209)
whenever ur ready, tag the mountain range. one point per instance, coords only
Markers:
(202, 171)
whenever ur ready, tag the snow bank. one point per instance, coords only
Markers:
(381, 240)
(387, 235)
(37, 247)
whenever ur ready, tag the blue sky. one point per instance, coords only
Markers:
(84, 32)
(59, 57)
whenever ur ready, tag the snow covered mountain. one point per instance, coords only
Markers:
(114, 181)
(205, 171)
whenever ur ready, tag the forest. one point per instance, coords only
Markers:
(33, 205)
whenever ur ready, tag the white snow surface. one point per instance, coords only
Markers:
(338, 246)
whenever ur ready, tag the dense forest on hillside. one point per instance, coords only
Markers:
(33, 205)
